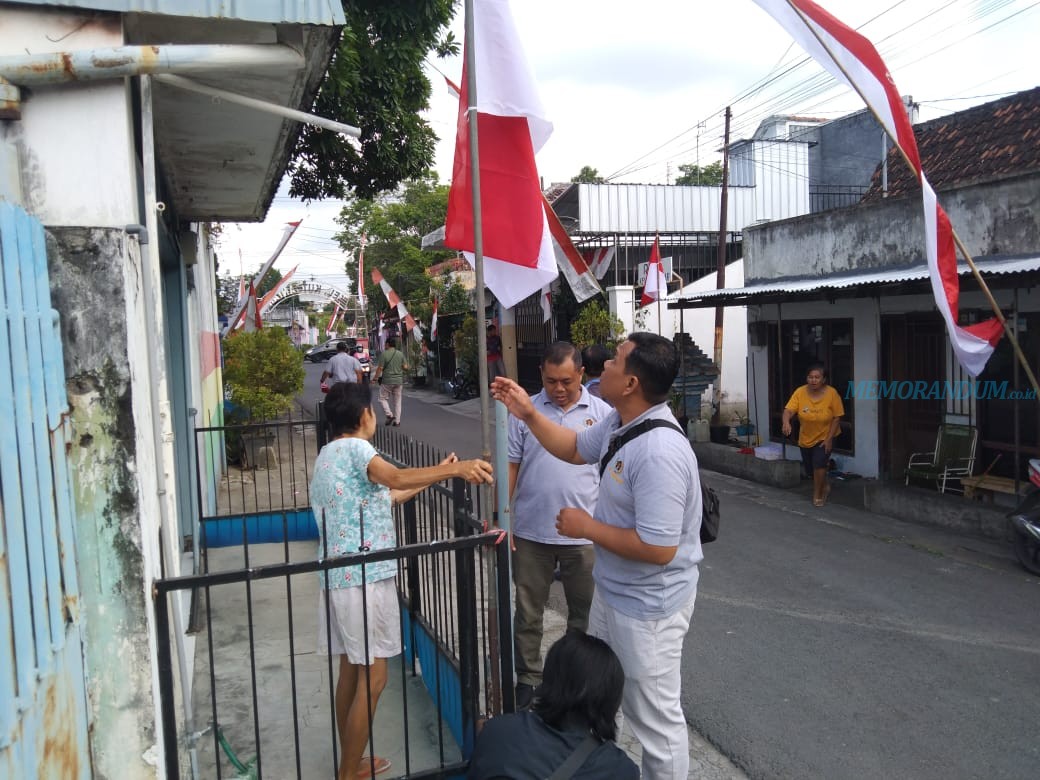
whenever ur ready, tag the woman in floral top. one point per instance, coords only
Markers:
(351, 493)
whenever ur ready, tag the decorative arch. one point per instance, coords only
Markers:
(294, 288)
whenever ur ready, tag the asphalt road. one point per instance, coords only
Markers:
(833, 643)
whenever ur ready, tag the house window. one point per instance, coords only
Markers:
(803, 343)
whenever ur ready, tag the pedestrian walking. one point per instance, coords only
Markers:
(819, 410)
(343, 367)
(390, 376)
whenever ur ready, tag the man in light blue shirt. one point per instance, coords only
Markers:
(540, 486)
(646, 533)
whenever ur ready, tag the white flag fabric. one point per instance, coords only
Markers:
(433, 321)
(546, 299)
(512, 126)
(853, 60)
(569, 260)
(599, 260)
(253, 322)
(656, 286)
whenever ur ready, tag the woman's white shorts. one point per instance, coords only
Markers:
(345, 615)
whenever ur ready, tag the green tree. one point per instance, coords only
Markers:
(588, 175)
(692, 174)
(596, 325)
(455, 299)
(375, 82)
(464, 341)
(394, 226)
(227, 290)
(263, 372)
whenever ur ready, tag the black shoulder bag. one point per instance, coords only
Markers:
(710, 509)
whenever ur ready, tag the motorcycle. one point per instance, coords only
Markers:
(1025, 523)
(461, 384)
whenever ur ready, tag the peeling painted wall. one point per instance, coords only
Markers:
(89, 289)
(1001, 217)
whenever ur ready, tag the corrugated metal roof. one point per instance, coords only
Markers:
(319, 12)
(795, 288)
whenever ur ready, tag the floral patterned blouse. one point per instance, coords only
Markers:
(342, 491)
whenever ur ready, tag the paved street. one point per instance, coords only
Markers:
(832, 643)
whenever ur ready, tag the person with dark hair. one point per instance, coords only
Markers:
(390, 376)
(539, 487)
(343, 367)
(819, 410)
(575, 710)
(646, 534)
(594, 357)
(351, 493)
(496, 365)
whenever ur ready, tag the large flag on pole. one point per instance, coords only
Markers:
(253, 322)
(656, 286)
(433, 321)
(853, 60)
(569, 260)
(512, 126)
(361, 271)
(546, 300)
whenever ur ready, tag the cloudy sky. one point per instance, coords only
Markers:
(636, 89)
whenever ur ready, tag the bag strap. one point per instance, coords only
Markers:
(632, 433)
(566, 770)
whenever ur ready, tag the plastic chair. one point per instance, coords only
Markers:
(952, 458)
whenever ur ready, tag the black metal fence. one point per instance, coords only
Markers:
(263, 693)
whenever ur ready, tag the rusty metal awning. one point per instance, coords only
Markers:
(909, 280)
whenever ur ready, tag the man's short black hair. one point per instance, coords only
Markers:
(594, 356)
(344, 404)
(391, 342)
(341, 347)
(582, 681)
(560, 352)
(654, 363)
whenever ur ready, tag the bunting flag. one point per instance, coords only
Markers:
(853, 60)
(243, 288)
(266, 300)
(512, 126)
(331, 328)
(395, 302)
(361, 271)
(453, 88)
(569, 260)
(656, 285)
(433, 321)
(599, 260)
(253, 322)
(546, 300)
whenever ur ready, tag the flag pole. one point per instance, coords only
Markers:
(495, 694)
(956, 239)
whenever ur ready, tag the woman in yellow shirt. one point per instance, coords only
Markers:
(819, 410)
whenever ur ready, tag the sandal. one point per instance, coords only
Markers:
(819, 501)
(365, 768)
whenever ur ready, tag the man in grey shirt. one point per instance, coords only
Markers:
(343, 367)
(540, 486)
(646, 533)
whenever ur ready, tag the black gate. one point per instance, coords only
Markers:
(263, 696)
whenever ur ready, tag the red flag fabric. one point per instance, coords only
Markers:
(569, 260)
(253, 322)
(853, 60)
(546, 300)
(331, 328)
(656, 286)
(599, 260)
(517, 246)
(266, 300)
(393, 299)
(453, 88)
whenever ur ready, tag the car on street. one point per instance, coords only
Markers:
(322, 352)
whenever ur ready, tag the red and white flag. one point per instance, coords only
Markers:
(656, 286)
(512, 126)
(253, 322)
(331, 328)
(569, 260)
(453, 88)
(266, 300)
(433, 321)
(546, 299)
(599, 260)
(361, 271)
(853, 60)
(394, 300)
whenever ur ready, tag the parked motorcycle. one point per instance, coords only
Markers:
(461, 384)
(1025, 523)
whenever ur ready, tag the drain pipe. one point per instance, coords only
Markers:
(149, 263)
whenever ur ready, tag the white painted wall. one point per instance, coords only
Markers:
(700, 325)
(75, 141)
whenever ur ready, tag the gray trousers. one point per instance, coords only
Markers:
(533, 565)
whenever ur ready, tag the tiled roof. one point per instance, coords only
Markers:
(984, 142)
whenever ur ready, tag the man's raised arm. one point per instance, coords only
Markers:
(561, 442)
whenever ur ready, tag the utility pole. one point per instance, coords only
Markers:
(720, 279)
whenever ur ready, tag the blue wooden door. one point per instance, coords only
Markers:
(43, 720)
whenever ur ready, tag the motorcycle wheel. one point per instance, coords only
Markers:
(1028, 552)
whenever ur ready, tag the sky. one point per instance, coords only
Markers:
(636, 89)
